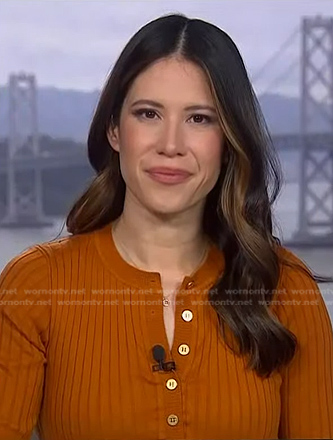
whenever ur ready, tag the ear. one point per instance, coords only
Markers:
(113, 138)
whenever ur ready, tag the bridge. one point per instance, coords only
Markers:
(48, 160)
(45, 161)
(25, 208)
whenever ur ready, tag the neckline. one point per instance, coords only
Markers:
(210, 268)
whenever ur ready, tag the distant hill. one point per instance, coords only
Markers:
(67, 113)
(61, 113)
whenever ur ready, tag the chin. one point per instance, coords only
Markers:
(165, 210)
(167, 207)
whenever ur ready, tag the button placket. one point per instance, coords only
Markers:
(182, 349)
(173, 397)
(182, 343)
(171, 384)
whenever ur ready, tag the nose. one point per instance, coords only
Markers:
(172, 140)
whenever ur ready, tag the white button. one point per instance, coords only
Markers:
(171, 384)
(172, 420)
(187, 315)
(183, 349)
(166, 302)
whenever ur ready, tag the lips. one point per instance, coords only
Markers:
(169, 171)
(168, 175)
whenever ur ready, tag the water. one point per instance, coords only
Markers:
(286, 214)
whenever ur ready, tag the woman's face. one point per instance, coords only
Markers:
(166, 132)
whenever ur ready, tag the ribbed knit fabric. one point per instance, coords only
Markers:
(77, 327)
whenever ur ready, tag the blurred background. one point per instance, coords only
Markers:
(54, 59)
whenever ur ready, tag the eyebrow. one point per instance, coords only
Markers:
(159, 105)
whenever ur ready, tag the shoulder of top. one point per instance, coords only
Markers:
(288, 257)
(64, 245)
(292, 265)
(30, 263)
(40, 255)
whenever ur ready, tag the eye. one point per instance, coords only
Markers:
(146, 112)
(198, 118)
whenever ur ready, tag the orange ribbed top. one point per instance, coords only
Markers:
(77, 327)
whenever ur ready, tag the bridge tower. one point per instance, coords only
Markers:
(24, 187)
(315, 223)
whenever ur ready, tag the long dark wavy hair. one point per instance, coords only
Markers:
(237, 216)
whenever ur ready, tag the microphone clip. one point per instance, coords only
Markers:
(159, 356)
(165, 366)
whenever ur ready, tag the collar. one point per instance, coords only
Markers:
(205, 275)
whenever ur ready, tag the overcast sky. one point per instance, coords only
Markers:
(73, 43)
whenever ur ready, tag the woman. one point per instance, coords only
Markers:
(171, 311)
